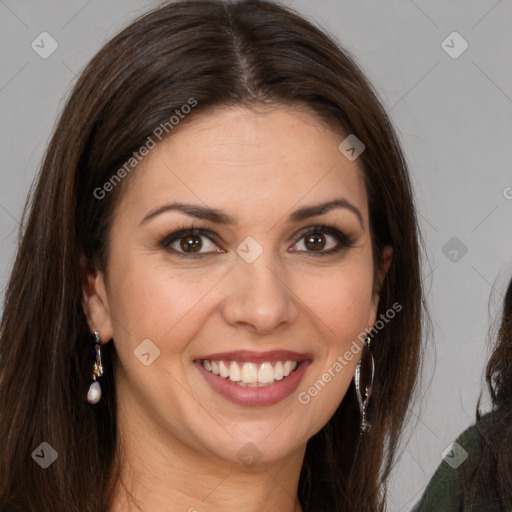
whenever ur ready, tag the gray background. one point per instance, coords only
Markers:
(454, 119)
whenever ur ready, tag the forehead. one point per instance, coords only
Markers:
(256, 162)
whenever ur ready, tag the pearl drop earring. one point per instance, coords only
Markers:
(94, 393)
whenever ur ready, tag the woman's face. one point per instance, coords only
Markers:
(277, 274)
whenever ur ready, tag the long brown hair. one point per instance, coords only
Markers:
(218, 53)
(495, 468)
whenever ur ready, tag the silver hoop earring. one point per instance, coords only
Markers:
(364, 384)
(94, 393)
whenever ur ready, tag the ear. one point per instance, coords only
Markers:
(386, 258)
(95, 301)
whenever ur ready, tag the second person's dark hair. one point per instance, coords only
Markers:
(494, 472)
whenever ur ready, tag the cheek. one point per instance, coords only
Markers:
(341, 299)
(153, 299)
(342, 303)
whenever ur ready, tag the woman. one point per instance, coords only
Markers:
(224, 209)
(481, 480)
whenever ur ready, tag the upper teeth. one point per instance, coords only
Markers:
(251, 373)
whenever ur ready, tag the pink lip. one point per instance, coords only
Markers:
(256, 357)
(268, 395)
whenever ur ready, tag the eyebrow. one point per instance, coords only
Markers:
(219, 217)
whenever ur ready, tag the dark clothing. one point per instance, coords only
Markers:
(450, 488)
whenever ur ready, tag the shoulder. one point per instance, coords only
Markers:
(447, 490)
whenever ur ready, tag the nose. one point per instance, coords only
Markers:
(259, 297)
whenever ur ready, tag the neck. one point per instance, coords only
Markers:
(160, 472)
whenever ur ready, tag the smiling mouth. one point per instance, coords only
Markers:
(251, 374)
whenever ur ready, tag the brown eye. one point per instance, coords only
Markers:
(315, 242)
(191, 243)
(322, 240)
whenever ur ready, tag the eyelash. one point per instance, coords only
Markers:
(344, 241)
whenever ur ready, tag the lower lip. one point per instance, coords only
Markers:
(268, 395)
